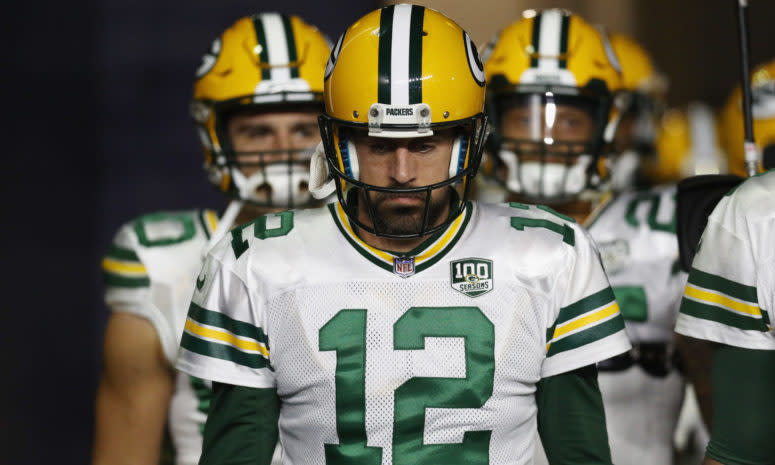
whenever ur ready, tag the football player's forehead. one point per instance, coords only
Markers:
(361, 136)
(274, 117)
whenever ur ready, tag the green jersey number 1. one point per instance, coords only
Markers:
(346, 334)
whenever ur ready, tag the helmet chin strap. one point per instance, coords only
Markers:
(321, 185)
(224, 224)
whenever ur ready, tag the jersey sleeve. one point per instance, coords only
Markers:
(128, 286)
(587, 327)
(720, 302)
(224, 338)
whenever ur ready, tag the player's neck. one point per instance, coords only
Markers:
(390, 244)
(250, 212)
(579, 210)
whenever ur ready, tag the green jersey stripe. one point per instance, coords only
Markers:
(588, 336)
(219, 320)
(596, 300)
(385, 54)
(119, 253)
(222, 351)
(723, 285)
(115, 280)
(719, 315)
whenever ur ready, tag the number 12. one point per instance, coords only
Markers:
(345, 333)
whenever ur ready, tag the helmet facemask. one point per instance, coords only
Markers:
(273, 178)
(548, 143)
(440, 203)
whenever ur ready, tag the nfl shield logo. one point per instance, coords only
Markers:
(403, 266)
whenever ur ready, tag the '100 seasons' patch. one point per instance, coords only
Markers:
(471, 276)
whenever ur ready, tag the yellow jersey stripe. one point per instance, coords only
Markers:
(343, 220)
(212, 220)
(445, 239)
(119, 267)
(591, 318)
(228, 338)
(442, 242)
(722, 300)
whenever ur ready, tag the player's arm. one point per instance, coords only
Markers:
(696, 357)
(743, 382)
(133, 394)
(241, 427)
(571, 419)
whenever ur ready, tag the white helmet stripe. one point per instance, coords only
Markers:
(277, 45)
(399, 60)
(549, 39)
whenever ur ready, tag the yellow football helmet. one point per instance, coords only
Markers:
(551, 84)
(687, 144)
(403, 71)
(644, 90)
(763, 114)
(270, 62)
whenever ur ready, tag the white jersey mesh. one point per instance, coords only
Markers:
(519, 352)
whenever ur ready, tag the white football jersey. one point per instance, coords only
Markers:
(635, 233)
(386, 357)
(150, 271)
(730, 296)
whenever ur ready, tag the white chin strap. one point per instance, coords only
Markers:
(537, 179)
(321, 185)
(286, 182)
(623, 169)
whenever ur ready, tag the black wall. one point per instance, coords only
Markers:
(96, 131)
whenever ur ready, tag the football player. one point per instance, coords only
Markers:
(257, 96)
(552, 82)
(403, 323)
(643, 98)
(729, 299)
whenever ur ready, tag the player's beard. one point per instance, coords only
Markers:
(405, 220)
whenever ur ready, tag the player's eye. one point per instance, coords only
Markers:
(256, 132)
(381, 147)
(306, 131)
(422, 147)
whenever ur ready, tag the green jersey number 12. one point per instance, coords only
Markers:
(345, 333)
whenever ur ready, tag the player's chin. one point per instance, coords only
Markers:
(401, 220)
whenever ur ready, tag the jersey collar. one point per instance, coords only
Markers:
(208, 219)
(425, 255)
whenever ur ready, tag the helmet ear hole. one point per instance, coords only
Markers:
(348, 155)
